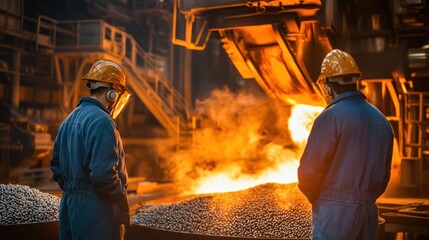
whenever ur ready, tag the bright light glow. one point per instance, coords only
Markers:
(301, 121)
(244, 141)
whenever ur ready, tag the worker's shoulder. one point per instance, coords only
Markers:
(349, 109)
(92, 115)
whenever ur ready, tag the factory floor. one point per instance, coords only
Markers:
(405, 236)
(406, 218)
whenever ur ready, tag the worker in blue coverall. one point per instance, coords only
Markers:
(88, 160)
(346, 163)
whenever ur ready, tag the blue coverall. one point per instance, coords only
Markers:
(89, 165)
(345, 167)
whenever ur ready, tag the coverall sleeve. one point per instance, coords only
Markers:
(315, 161)
(386, 177)
(104, 158)
(55, 165)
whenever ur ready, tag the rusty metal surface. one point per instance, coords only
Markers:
(205, 5)
(285, 61)
(277, 43)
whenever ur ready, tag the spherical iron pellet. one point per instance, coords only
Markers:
(21, 204)
(268, 210)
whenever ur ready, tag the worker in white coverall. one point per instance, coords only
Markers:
(346, 163)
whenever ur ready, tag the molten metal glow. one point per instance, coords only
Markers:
(284, 172)
(244, 141)
(287, 161)
(301, 121)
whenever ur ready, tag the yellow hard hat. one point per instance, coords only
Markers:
(338, 63)
(106, 71)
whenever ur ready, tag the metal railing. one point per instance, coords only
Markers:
(16, 23)
(416, 139)
(151, 4)
(416, 120)
(88, 36)
(31, 64)
(148, 69)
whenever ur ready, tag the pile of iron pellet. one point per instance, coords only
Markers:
(21, 204)
(265, 211)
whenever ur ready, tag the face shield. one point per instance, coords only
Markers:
(325, 89)
(123, 98)
(119, 105)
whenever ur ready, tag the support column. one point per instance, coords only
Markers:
(66, 83)
(187, 77)
(16, 80)
(171, 66)
(183, 73)
(4, 153)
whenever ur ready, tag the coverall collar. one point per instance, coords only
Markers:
(346, 95)
(93, 101)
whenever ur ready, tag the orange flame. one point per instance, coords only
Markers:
(285, 171)
(246, 141)
(301, 121)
